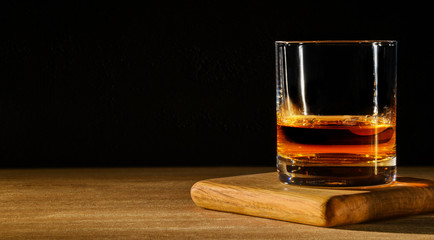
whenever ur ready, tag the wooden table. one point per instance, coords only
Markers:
(155, 203)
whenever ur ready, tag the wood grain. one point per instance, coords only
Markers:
(155, 203)
(264, 196)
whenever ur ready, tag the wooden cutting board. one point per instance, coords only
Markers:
(263, 195)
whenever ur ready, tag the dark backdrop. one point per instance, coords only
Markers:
(88, 83)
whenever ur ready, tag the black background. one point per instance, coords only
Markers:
(89, 83)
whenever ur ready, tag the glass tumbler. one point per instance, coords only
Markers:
(336, 112)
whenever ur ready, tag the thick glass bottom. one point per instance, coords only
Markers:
(317, 173)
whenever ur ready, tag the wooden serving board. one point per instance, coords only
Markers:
(263, 195)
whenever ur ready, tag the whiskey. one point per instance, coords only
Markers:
(361, 138)
(324, 149)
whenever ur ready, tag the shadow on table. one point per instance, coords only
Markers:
(419, 224)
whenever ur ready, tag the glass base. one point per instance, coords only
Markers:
(310, 173)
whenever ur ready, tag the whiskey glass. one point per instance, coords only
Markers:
(336, 112)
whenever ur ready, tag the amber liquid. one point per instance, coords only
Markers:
(336, 150)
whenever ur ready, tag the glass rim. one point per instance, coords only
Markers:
(338, 42)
